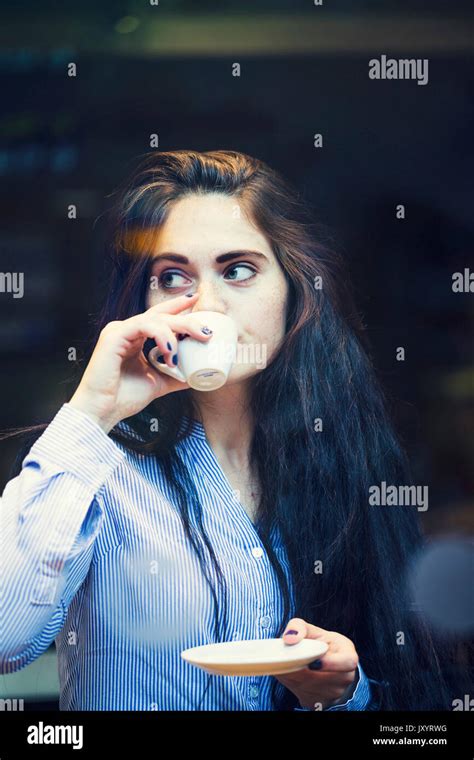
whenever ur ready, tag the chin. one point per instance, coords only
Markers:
(238, 376)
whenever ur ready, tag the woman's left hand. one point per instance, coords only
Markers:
(337, 676)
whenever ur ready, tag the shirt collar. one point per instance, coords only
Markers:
(196, 430)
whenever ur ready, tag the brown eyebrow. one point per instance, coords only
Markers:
(221, 259)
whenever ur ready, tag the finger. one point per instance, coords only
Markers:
(298, 629)
(331, 662)
(343, 678)
(167, 343)
(193, 326)
(174, 305)
(335, 662)
(130, 334)
(170, 329)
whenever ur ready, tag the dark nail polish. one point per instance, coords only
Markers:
(290, 633)
(175, 359)
(160, 359)
(315, 665)
(169, 346)
(206, 330)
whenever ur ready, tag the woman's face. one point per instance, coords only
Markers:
(249, 285)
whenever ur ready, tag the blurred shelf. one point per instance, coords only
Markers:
(152, 32)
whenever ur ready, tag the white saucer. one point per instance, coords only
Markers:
(255, 657)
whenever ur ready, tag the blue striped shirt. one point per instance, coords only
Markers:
(94, 556)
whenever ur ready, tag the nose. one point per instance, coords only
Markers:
(208, 299)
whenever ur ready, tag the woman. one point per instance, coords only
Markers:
(239, 513)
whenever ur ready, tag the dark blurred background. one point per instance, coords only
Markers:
(167, 69)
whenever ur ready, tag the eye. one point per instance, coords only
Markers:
(165, 277)
(244, 267)
(166, 281)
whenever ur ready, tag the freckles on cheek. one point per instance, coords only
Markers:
(269, 325)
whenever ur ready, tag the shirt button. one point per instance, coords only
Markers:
(236, 636)
(254, 690)
(265, 621)
(257, 551)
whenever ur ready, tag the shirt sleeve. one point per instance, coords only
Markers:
(363, 698)
(49, 519)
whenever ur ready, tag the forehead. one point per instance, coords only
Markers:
(207, 223)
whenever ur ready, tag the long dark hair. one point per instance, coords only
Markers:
(315, 482)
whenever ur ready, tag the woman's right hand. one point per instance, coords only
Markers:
(118, 381)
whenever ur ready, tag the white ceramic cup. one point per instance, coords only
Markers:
(204, 366)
